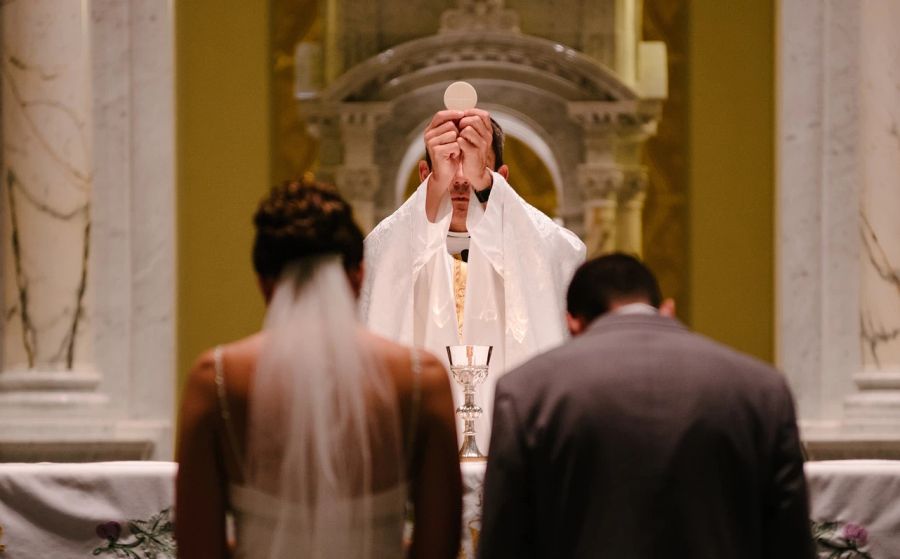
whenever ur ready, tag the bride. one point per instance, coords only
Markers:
(315, 435)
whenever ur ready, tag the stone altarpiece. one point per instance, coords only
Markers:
(584, 92)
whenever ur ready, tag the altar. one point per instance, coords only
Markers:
(125, 509)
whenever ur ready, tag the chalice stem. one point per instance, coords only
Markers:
(470, 450)
(469, 366)
(469, 428)
(469, 395)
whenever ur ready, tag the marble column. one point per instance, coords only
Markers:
(48, 175)
(359, 185)
(630, 223)
(878, 403)
(599, 187)
(358, 175)
(838, 237)
(346, 134)
(611, 177)
(88, 230)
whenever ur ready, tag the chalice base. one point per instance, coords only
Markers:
(469, 452)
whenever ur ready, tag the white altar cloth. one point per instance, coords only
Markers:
(473, 494)
(104, 509)
(859, 501)
(109, 509)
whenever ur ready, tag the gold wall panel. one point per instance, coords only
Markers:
(293, 150)
(666, 155)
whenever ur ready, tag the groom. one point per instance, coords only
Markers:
(656, 442)
(466, 260)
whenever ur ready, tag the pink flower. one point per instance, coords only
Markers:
(109, 531)
(855, 534)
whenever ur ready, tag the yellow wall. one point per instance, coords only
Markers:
(731, 173)
(223, 108)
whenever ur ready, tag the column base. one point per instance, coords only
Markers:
(848, 446)
(875, 409)
(84, 440)
(59, 416)
(53, 389)
(870, 427)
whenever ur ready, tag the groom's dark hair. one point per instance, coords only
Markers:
(304, 218)
(613, 278)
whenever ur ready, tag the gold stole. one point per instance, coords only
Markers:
(460, 274)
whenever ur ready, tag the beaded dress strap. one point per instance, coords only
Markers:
(225, 410)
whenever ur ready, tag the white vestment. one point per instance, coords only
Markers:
(519, 266)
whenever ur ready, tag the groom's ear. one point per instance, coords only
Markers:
(504, 171)
(576, 324)
(424, 171)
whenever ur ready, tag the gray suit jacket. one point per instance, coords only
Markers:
(639, 439)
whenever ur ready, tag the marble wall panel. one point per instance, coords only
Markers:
(153, 216)
(817, 204)
(110, 70)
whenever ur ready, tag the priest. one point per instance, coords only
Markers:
(465, 260)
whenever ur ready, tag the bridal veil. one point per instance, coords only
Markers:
(324, 434)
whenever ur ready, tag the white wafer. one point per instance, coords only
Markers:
(460, 96)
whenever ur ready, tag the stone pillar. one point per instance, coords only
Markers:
(599, 186)
(877, 405)
(88, 230)
(48, 175)
(611, 178)
(838, 238)
(359, 185)
(630, 222)
(346, 134)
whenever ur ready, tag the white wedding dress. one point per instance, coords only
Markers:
(255, 522)
(322, 419)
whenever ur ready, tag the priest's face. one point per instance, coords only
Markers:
(460, 191)
(460, 194)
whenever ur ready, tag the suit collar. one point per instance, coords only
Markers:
(612, 321)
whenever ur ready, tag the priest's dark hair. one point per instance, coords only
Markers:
(613, 278)
(497, 139)
(304, 218)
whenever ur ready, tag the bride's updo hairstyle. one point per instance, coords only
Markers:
(300, 219)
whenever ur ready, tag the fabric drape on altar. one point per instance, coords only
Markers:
(87, 510)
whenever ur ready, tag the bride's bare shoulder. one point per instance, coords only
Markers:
(397, 357)
(239, 359)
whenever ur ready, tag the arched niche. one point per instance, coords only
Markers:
(585, 123)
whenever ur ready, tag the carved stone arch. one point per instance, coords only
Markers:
(592, 121)
(548, 65)
(546, 117)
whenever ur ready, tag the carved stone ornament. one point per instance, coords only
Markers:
(357, 183)
(479, 15)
